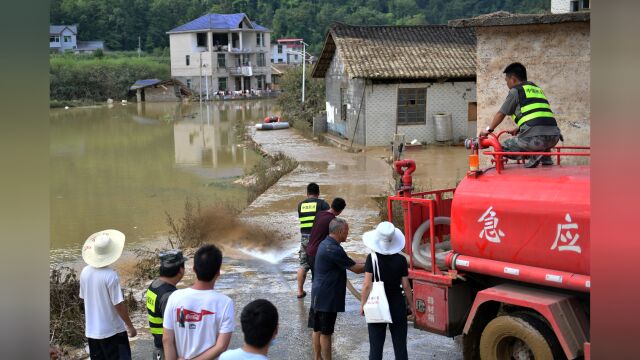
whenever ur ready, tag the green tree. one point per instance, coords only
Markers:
(293, 110)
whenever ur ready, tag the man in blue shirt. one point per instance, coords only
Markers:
(329, 286)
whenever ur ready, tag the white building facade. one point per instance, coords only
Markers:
(221, 53)
(565, 6)
(287, 51)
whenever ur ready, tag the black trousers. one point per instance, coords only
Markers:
(398, 329)
(115, 347)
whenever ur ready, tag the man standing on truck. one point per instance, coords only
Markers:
(307, 210)
(536, 128)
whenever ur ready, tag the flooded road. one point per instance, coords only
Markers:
(249, 274)
(123, 166)
(118, 168)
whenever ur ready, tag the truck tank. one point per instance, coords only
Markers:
(534, 217)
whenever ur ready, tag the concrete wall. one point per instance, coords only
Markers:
(448, 97)
(336, 78)
(560, 6)
(558, 59)
(160, 93)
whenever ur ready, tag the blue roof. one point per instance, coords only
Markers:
(259, 27)
(144, 83)
(215, 22)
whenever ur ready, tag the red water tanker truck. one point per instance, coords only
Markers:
(502, 259)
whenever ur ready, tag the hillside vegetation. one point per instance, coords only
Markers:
(121, 22)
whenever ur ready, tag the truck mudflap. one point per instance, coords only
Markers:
(562, 311)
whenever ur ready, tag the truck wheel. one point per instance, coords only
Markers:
(519, 337)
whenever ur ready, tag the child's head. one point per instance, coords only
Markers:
(259, 323)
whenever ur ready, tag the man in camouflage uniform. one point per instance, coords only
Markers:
(537, 130)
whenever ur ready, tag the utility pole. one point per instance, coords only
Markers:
(304, 65)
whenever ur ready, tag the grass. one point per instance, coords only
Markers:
(267, 172)
(98, 79)
(66, 309)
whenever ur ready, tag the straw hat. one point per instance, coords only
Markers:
(103, 248)
(386, 239)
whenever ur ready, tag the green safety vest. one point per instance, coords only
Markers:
(307, 211)
(534, 106)
(153, 308)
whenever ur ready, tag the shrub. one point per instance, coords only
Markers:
(267, 172)
(66, 322)
(300, 115)
(84, 77)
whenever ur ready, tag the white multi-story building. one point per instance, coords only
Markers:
(565, 6)
(287, 51)
(221, 52)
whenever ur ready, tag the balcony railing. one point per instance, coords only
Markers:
(241, 71)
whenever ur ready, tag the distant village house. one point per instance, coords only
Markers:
(386, 80)
(63, 38)
(287, 51)
(221, 53)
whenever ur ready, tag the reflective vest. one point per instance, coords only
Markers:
(154, 294)
(534, 106)
(307, 211)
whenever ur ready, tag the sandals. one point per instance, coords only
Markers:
(304, 293)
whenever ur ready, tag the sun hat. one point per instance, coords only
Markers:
(386, 239)
(172, 258)
(103, 248)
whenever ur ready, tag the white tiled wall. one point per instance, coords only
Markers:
(448, 97)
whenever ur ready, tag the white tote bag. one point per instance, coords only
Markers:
(376, 310)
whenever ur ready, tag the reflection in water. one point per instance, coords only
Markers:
(124, 166)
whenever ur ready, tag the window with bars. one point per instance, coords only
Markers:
(412, 106)
(260, 39)
(261, 60)
(222, 60)
(222, 84)
(260, 82)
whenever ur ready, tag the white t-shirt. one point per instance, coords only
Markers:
(240, 354)
(100, 289)
(205, 314)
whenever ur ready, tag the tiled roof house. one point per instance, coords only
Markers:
(386, 80)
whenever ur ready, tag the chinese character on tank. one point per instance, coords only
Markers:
(567, 236)
(490, 232)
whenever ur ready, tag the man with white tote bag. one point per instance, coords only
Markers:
(382, 302)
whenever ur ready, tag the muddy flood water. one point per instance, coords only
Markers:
(123, 168)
